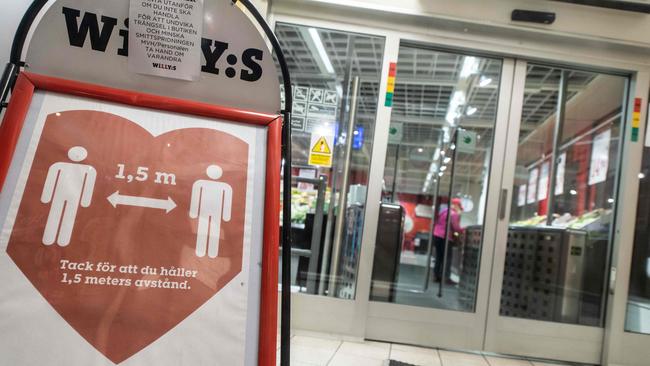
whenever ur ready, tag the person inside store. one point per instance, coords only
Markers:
(439, 230)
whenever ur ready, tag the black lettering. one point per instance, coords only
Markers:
(248, 58)
(124, 33)
(77, 33)
(212, 56)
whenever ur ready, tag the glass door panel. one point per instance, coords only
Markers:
(552, 254)
(430, 230)
(327, 235)
(561, 213)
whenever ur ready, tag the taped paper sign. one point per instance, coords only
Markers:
(165, 38)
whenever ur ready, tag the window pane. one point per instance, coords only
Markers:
(561, 216)
(439, 153)
(322, 64)
(638, 302)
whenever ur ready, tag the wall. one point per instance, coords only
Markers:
(11, 15)
(573, 20)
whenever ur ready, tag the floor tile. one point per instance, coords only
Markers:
(344, 359)
(374, 350)
(450, 358)
(499, 361)
(415, 355)
(309, 341)
(311, 355)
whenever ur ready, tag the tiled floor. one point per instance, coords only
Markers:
(318, 349)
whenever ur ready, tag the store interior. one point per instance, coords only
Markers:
(559, 240)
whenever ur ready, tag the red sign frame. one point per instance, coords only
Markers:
(10, 129)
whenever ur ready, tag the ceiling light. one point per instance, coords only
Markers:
(641, 175)
(420, 149)
(441, 174)
(446, 160)
(443, 153)
(610, 200)
(470, 66)
(453, 146)
(321, 50)
(471, 110)
(485, 81)
(573, 192)
(437, 154)
(443, 168)
(457, 100)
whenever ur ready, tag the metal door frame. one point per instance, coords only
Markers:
(447, 328)
(568, 342)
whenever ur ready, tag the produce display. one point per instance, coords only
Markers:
(567, 220)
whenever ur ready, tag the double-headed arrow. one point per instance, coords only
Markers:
(119, 199)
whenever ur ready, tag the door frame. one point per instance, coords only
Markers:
(527, 337)
(348, 317)
(621, 347)
(447, 328)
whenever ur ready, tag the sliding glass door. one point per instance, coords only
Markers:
(555, 234)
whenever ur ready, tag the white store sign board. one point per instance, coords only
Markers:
(126, 237)
(92, 42)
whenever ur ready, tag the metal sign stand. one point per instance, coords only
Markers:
(15, 64)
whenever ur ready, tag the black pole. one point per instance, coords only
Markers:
(17, 47)
(448, 218)
(285, 317)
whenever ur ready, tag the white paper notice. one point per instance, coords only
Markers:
(521, 197)
(532, 186)
(542, 188)
(599, 158)
(165, 38)
(559, 176)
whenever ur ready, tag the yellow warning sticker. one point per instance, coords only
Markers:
(320, 153)
(321, 147)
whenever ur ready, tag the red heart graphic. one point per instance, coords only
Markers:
(123, 311)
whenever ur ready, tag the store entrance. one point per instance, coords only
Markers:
(500, 185)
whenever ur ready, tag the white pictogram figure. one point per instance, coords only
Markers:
(67, 185)
(211, 203)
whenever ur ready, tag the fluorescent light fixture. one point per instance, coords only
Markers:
(457, 101)
(470, 66)
(446, 137)
(339, 91)
(437, 154)
(471, 110)
(321, 50)
(485, 81)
